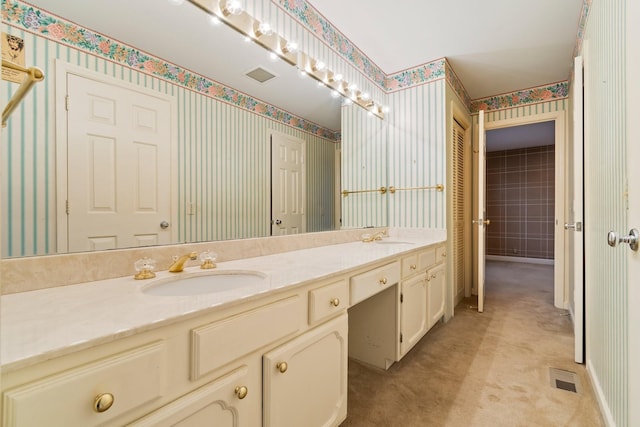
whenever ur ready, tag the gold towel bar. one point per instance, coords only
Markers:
(33, 75)
(381, 190)
(439, 187)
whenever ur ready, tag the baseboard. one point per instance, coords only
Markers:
(602, 401)
(519, 259)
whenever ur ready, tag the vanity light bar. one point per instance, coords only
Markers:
(232, 15)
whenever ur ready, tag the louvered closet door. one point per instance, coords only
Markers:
(459, 208)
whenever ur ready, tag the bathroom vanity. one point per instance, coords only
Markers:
(269, 352)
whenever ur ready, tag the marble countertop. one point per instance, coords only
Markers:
(39, 325)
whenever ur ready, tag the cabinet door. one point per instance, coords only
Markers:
(232, 400)
(305, 380)
(413, 312)
(436, 284)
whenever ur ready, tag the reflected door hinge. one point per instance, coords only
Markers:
(66, 207)
(66, 102)
(400, 337)
(401, 298)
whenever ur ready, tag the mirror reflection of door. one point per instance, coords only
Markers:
(288, 195)
(118, 166)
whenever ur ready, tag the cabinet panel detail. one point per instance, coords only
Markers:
(217, 404)
(222, 342)
(133, 379)
(414, 318)
(305, 380)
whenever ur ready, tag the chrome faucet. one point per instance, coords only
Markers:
(178, 262)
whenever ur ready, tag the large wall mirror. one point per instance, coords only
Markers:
(222, 128)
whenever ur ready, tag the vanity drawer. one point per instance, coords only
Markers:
(133, 379)
(409, 265)
(370, 283)
(426, 259)
(216, 344)
(328, 300)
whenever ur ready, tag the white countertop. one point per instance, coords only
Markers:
(39, 325)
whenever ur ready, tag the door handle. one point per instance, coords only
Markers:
(633, 239)
(164, 225)
(481, 221)
(278, 222)
(577, 226)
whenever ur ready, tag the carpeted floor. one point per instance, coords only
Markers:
(483, 369)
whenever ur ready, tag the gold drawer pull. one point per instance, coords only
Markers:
(383, 281)
(103, 402)
(433, 276)
(413, 266)
(444, 254)
(241, 392)
(335, 302)
(282, 367)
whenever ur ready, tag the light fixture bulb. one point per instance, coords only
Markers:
(369, 113)
(319, 66)
(337, 77)
(303, 73)
(247, 39)
(290, 47)
(347, 101)
(215, 20)
(366, 96)
(273, 56)
(385, 109)
(353, 87)
(264, 29)
(176, 2)
(335, 94)
(232, 7)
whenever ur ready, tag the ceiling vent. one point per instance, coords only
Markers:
(260, 74)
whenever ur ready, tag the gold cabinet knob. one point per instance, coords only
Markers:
(103, 402)
(241, 392)
(282, 367)
(335, 302)
(383, 281)
(444, 254)
(433, 276)
(413, 266)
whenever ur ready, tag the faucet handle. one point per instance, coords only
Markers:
(144, 268)
(207, 259)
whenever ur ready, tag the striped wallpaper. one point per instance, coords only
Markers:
(224, 160)
(606, 305)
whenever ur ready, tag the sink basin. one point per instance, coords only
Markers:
(391, 242)
(204, 283)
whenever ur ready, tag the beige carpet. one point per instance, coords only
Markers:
(489, 369)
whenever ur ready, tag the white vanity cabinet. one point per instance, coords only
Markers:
(436, 284)
(421, 295)
(233, 400)
(305, 380)
(414, 317)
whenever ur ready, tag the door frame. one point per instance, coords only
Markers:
(61, 69)
(561, 297)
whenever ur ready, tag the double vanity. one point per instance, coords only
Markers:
(255, 341)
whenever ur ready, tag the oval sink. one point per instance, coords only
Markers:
(204, 283)
(392, 242)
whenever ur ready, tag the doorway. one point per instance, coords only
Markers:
(288, 185)
(557, 121)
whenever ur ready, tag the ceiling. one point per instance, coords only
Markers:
(494, 46)
(524, 136)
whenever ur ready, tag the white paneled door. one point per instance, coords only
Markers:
(288, 194)
(575, 241)
(480, 220)
(118, 166)
(633, 220)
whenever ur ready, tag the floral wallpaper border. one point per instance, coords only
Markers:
(36, 21)
(522, 97)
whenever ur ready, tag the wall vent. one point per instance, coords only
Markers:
(260, 74)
